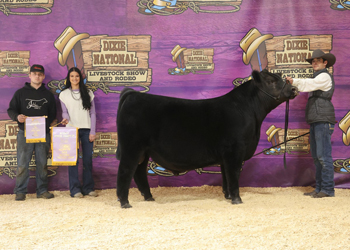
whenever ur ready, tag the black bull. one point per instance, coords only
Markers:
(182, 135)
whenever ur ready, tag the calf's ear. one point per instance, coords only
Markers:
(256, 76)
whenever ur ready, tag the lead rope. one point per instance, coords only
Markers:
(280, 144)
(285, 133)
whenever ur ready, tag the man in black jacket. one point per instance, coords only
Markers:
(32, 100)
(321, 117)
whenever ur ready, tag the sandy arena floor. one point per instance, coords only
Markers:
(180, 218)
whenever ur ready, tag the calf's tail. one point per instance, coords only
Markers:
(122, 98)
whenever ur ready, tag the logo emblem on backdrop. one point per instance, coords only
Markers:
(34, 8)
(254, 52)
(296, 147)
(175, 7)
(344, 125)
(70, 50)
(254, 49)
(14, 63)
(281, 54)
(286, 55)
(343, 166)
(196, 61)
(108, 63)
(105, 144)
(8, 151)
(340, 4)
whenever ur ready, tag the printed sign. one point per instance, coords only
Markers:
(8, 138)
(282, 54)
(344, 125)
(108, 63)
(14, 63)
(286, 54)
(105, 144)
(299, 143)
(8, 5)
(8, 150)
(196, 61)
(112, 61)
(340, 5)
(175, 7)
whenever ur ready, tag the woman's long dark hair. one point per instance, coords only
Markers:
(85, 97)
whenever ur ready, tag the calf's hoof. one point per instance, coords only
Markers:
(227, 196)
(236, 201)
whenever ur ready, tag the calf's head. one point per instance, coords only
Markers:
(274, 86)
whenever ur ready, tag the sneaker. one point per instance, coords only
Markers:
(92, 193)
(45, 195)
(78, 195)
(20, 197)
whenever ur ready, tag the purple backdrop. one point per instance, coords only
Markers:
(34, 34)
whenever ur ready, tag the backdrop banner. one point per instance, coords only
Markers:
(184, 49)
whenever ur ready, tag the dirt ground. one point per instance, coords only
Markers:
(180, 218)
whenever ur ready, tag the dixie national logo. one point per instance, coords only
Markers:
(109, 63)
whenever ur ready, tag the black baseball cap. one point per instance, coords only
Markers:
(37, 68)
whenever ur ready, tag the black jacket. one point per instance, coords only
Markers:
(33, 102)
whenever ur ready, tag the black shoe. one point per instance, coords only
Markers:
(20, 197)
(321, 195)
(45, 195)
(311, 193)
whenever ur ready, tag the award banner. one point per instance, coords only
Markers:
(64, 146)
(35, 130)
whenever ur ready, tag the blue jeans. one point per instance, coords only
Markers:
(24, 156)
(321, 150)
(88, 182)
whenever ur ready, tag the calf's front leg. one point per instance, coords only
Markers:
(232, 168)
(224, 183)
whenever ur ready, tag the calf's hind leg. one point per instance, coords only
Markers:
(140, 178)
(126, 171)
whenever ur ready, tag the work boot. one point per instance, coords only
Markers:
(45, 195)
(20, 197)
(311, 193)
(321, 195)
